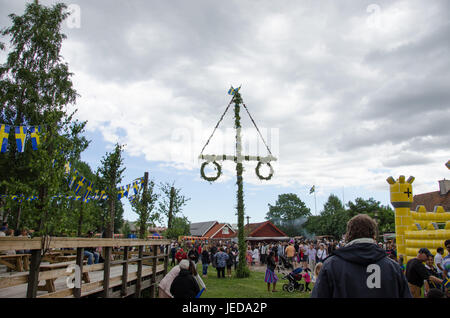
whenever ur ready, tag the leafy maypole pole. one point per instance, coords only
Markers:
(242, 269)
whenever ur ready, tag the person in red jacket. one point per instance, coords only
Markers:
(180, 255)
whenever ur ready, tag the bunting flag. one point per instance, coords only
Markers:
(132, 199)
(86, 197)
(21, 135)
(127, 190)
(136, 187)
(79, 185)
(74, 177)
(96, 195)
(120, 193)
(77, 198)
(4, 135)
(35, 132)
(103, 195)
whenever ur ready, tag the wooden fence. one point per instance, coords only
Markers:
(151, 266)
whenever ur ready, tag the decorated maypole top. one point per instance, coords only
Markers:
(239, 158)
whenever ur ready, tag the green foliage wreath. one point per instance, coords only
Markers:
(260, 176)
(210, 179)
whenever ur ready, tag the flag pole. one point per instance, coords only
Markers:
(315, 201)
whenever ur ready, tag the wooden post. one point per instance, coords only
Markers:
(153, 279)
(106, 272)
(144, 203)
(170, 217)
(139, 272)
(33, 278)
(166, 259)
(125, 272)
(79, 262)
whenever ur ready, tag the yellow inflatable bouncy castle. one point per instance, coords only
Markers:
(416, 229)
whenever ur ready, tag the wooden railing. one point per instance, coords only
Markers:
(143, 278)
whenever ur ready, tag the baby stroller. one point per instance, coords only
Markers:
(294, 279)
(284, 264)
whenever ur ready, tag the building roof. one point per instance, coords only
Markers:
(201, 228)
(265, 230)
(431, 199)
(215, 231)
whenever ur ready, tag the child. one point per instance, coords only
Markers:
(271, 277)
(307, 278)
(317, 271)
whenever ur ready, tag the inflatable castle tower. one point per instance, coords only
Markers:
(420, 228)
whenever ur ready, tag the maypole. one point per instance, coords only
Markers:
(242, 269)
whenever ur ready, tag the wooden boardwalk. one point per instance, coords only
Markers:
(126, 274)
(95, 286)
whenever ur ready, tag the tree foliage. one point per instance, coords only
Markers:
(144, 205)
(35, 90)
(288, 214)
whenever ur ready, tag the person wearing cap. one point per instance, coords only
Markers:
(184, 285)
(417, 274)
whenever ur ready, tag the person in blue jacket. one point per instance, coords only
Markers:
(361, 269)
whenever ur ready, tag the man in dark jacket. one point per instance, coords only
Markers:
(361, 268)
(184, 285)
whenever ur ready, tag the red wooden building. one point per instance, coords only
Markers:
(264, 232)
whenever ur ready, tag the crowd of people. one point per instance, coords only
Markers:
(324, 262)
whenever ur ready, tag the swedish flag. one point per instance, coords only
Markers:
(127, 190)
(77, 198)
(86, 197)
(103, 195)
(4, 135)
(312, 190)
(233, 91)
(71, 183)
(120, 193)
(21, 136)
(96, 196)
(136, 187)
(35, 133)
(79, 185)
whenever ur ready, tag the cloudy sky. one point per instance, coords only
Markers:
(346, 93)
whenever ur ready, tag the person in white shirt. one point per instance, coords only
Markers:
(321, 253)
(438, 260)
(312, 257)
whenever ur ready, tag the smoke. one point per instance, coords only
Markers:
(294, 226)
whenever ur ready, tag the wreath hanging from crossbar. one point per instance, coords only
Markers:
(259, 167)
(218, 168)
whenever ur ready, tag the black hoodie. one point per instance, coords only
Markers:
(361, 270)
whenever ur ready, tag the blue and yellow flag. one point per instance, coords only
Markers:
(312, 190)
(4, 135)
(21, 136)
(233, 91)
(79, 185)
(77, 198)
(127, 190)
(86, 197)
(120, 193)
(136, 187)
(74, 177)
(35, 132)
(96, 196)
(103, 195)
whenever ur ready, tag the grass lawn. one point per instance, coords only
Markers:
(251, 287)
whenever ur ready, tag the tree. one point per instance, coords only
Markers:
(289, 214)
(111, 173)
(35, 89)
(172, 202)
(383, 214)
(180, 227)
(143, 205)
